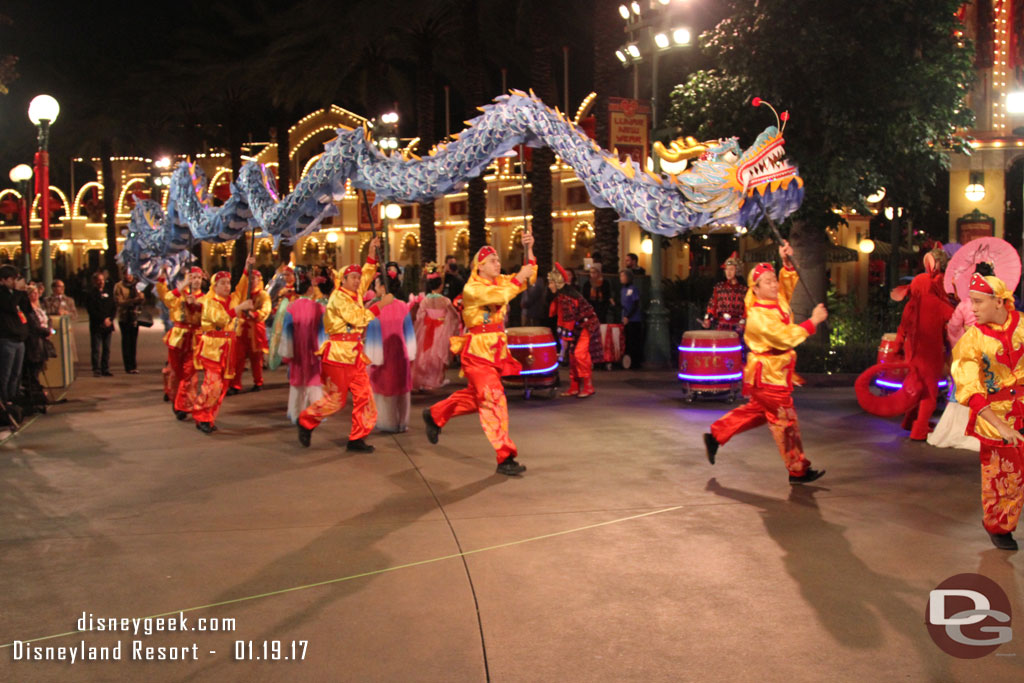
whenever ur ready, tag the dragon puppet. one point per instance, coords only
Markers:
(722, 184)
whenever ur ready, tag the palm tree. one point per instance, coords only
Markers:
(607, 81)
(472, 51)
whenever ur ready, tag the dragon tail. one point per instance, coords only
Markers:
(897, 403)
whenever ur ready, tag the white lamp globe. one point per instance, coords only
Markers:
(21, 172)
(43, 108)
(393, 211)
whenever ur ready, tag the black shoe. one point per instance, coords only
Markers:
(711, 446)
(181, 414)
(359, 446)
(1003, 541)
(107, 373)
(206, 427)
(97, 373)
(257, 387)
(433, 431)
(807, 477)
(166, 398)
(232, 392)
(510, 467)
(304, 436)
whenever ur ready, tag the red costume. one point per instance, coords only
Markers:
(182, 340)
(921, 336)
(726, 306)
(768, 378)
(216, 352)
(485, 359)
(580, 331)
(988, 367)
(252, 335)
(342, 361)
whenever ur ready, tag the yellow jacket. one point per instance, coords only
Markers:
(484, 305)
(345, 321)
(988, 368)
(219, 324)
(252, 323)
(771, 335)
(186, 317)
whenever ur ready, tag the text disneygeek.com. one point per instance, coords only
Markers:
(137, 650)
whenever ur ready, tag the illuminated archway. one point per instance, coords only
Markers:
(76, 208)
(63, 199)
(122, 206)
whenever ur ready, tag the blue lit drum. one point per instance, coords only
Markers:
(711, 361)
(536, 350)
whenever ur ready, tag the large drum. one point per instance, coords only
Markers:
(613, 341)
(890, 352)
(711, 362)
(537, 351)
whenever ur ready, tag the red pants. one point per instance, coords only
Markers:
(774, 406)
(484, 395)
(211, 395)
(581, 367)
(338, 380)
(183, 380)
(1001, 488)
(246, 350)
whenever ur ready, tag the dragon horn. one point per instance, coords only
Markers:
(757, 102)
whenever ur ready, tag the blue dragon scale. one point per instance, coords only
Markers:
(720, 184)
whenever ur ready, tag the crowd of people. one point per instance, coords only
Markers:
(25, 343)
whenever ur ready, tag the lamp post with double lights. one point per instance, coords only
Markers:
(651, 33)
(20, 175)
(42, 112)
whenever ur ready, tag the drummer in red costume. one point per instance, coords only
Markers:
(579, 329)
(771, 336)
(252, 336)
(342, 361)
(725, 309)
(485, 356)
(988, 368)
(185, 304)
(216, 352)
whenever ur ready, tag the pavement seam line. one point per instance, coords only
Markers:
(458, 544)
(376, 571)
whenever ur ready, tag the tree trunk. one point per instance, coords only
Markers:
(607, 81)
(808, 243)
(476, 190)
(109, 205)
(425, 131)
(542, 78)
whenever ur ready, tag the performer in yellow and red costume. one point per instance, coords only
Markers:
(579, 330)
(252, 336)
(483, 350)
(185, 305)
(988, 368)
(216, 352)
(771, 336)
(342, 360)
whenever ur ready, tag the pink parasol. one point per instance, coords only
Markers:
(1000, 254)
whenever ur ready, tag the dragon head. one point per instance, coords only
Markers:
(733, 185)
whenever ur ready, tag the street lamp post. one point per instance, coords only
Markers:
(657, 345)
(42, 112)
(20, 175)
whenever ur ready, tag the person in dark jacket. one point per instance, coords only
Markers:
(102, 309)
(129, 304)
(632, 319)
(14, 312)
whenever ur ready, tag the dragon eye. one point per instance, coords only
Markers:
(730, 157)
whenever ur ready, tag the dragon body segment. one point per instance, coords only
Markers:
(724, 185)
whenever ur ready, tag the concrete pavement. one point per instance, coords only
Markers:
(621, 555)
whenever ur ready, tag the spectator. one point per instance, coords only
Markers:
(632, 320)
(60, 303)
(35, 345)
(129, 304)
(453, 282)
(14, 312)
(598, 293)
(102, 308)
(633, 264)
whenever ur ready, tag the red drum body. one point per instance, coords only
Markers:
(537, 351)
(711, 362)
